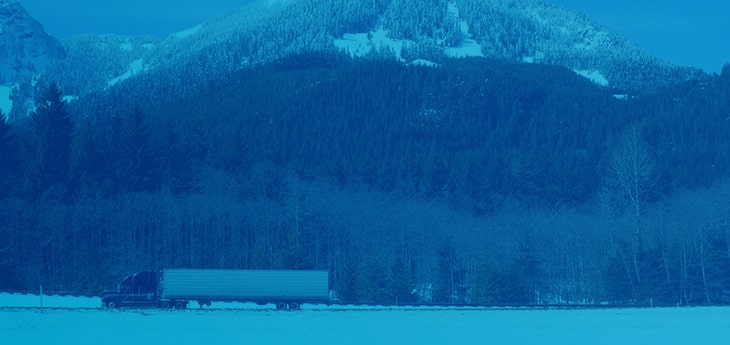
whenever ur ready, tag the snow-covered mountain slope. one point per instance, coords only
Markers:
(429, 31)
(6, 105)
(25, 47)
(26, 50)
(432, 30)
(95, 62)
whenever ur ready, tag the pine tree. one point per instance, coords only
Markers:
(402, 283)
(137, 154)
(53, 133)
(87, 161)
(7, 154)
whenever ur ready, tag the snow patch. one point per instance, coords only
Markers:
(69, 98)
(135, 67)
(149, 46)
(187, 33)
(5, 103)
(53, 301)
(279, 2)
(622, 97)
(593, 75)
(537, 58)
(126, 47)
(362, 44)
(453, 10)
(468, 46)
(423, 62)
(593, 39)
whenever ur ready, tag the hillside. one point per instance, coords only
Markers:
(485, 180)
(550, 129)
(433, 31)
(412, 158)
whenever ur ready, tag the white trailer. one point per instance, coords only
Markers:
(288, 289)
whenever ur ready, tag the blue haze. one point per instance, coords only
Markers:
(129, 17)
(681, 32)
(691, 33)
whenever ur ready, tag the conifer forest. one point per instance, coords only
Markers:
(477, 182)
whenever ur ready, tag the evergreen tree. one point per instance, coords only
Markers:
(88, 158)
(402, 282)
(137, 165)
(53, 134)
(7, 155)
(112, 166)
(487, 287)
(447, 283)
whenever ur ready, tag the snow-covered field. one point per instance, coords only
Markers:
(5, 103)
(345, 325)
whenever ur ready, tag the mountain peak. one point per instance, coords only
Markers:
(11, 8)
(23, 39)
(514, 30)
(412, 32)
(27, 50)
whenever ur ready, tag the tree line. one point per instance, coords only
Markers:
(476, 182)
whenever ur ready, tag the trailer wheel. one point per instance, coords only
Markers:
(111, 304)
(165, 305)
(180, 305)
(294, 306)
(281, 306)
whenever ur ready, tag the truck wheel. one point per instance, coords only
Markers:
(165, 305)
(179, 305)
(294, 306)
(111, 304)
(281, 306)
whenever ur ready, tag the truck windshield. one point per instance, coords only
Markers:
(125, 285)
(139, 283)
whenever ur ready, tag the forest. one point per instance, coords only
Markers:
(476, 182)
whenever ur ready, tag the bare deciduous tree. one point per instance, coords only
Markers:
(632, 172)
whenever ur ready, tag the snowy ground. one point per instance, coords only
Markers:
(5, 103)
(341, 325)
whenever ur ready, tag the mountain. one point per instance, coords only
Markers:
(26, 50)
(424, 32)
(428, 32)
(376, 137)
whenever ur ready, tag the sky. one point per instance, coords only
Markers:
(691, 33)
(129, 17)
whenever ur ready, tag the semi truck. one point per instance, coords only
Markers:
(175, 288)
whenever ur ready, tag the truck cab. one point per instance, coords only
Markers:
(139, 289)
